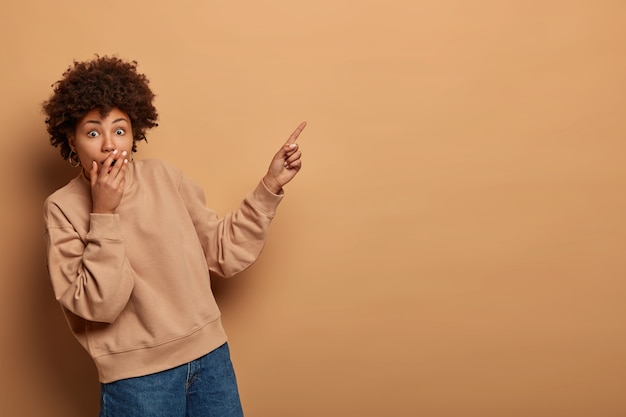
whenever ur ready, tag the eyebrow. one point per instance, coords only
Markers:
(98, 122)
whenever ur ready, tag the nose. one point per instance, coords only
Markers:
(108, 144)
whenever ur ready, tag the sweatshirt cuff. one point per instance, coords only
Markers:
(104, 226)
(265, 200)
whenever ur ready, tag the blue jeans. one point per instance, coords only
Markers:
(206, 387)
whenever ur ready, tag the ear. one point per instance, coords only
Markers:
(71, 140)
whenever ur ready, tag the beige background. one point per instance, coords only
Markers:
(453, 245)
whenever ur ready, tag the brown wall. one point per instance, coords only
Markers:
(454, 244)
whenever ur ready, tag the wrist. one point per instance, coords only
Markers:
(102, 212)
(272, 185)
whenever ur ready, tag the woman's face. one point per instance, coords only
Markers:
(95, 137)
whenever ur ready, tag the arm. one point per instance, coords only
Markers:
(231, 243)
(90, 275)
(234, 242)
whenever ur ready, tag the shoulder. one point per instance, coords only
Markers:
(157, 172)
(67, 201)
(157, 168)
(74, 190)
(154, 165)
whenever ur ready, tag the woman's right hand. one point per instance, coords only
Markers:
(107, 183)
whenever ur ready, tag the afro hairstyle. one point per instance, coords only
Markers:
(103, 83)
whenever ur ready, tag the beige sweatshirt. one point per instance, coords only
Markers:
(135, 285)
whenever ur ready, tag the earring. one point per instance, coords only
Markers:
(73, 159)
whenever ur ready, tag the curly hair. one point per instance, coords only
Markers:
(103, 83)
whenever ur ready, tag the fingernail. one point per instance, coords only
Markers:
(125, 161)
(124, 153)
(292, 145)
(114, 151)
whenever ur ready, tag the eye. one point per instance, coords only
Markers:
(120, 132)
(93, 134)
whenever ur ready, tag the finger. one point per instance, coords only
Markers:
(117, 157)
(296, 133)
(290, 149)
(107, 164)
(93, 173)
(285, 151)
(297, 164)
(118, 164)
(118, 172)
(289, 159)
(122, 173)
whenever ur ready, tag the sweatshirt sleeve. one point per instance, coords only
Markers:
(91, 277)
(233, 242)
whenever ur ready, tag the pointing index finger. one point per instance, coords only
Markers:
(296, 133)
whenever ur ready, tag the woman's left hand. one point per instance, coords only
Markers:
(285, 164)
